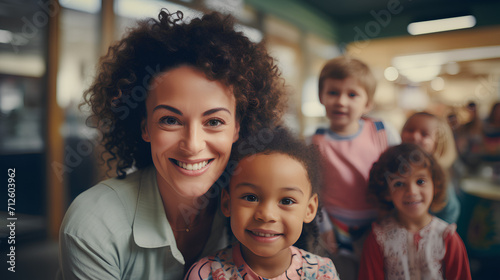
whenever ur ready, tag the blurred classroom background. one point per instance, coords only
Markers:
(49, 50)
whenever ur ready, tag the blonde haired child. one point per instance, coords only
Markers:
(271, 195)
(434, 135)
(411, 243)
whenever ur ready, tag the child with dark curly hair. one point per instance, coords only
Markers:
(171, 100)
(273, 193)
(411, 243)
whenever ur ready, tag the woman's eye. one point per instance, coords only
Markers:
(169, 121)
(420, 181)
(287, 201)
(215, 122)
(250, 198)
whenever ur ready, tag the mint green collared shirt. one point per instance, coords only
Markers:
(118, 230)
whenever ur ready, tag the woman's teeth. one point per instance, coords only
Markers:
(192, 167)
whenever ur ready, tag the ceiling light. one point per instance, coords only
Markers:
(437, 84)
(452, 68)
(426, 66)
(422, 73)
(391, 73)
(440, 25)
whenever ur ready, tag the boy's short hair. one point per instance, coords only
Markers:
(343, 67)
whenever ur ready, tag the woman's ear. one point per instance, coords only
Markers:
(144, 130)
(236, 135)
(225, 203)
(312, 208)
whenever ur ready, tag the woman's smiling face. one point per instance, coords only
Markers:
(191, 125)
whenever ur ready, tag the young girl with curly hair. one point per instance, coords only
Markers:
(411, 243)
(171, 100)
(273, 193)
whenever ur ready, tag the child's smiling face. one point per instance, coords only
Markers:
(412, 194)
(269, 200)
(345, 102)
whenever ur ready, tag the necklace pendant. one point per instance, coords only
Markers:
(187, 230)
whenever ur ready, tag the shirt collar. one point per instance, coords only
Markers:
(336, 136)
(151, 228)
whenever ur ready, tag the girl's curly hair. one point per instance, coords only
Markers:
(211, 45)
(398, 161)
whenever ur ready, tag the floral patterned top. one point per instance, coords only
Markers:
(229, 264)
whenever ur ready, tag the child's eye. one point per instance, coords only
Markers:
(168, 120)
(352, 94)
(398, 184)
(420, 182)
(249, 197)
(215, 122)
(333, 93)
(287, 201)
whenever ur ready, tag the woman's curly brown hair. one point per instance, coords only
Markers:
(211, 45)
(398, 161)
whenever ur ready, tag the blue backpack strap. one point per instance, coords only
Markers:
(379, 125)
(321, 131)
(381, 134)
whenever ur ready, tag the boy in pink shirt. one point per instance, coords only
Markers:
(349, 147)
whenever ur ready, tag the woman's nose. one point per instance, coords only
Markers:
(193, 141)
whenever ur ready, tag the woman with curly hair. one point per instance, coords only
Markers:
(172, 100)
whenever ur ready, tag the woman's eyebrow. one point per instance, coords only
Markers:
(170, 108)
(178, 112)
(215, 110)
